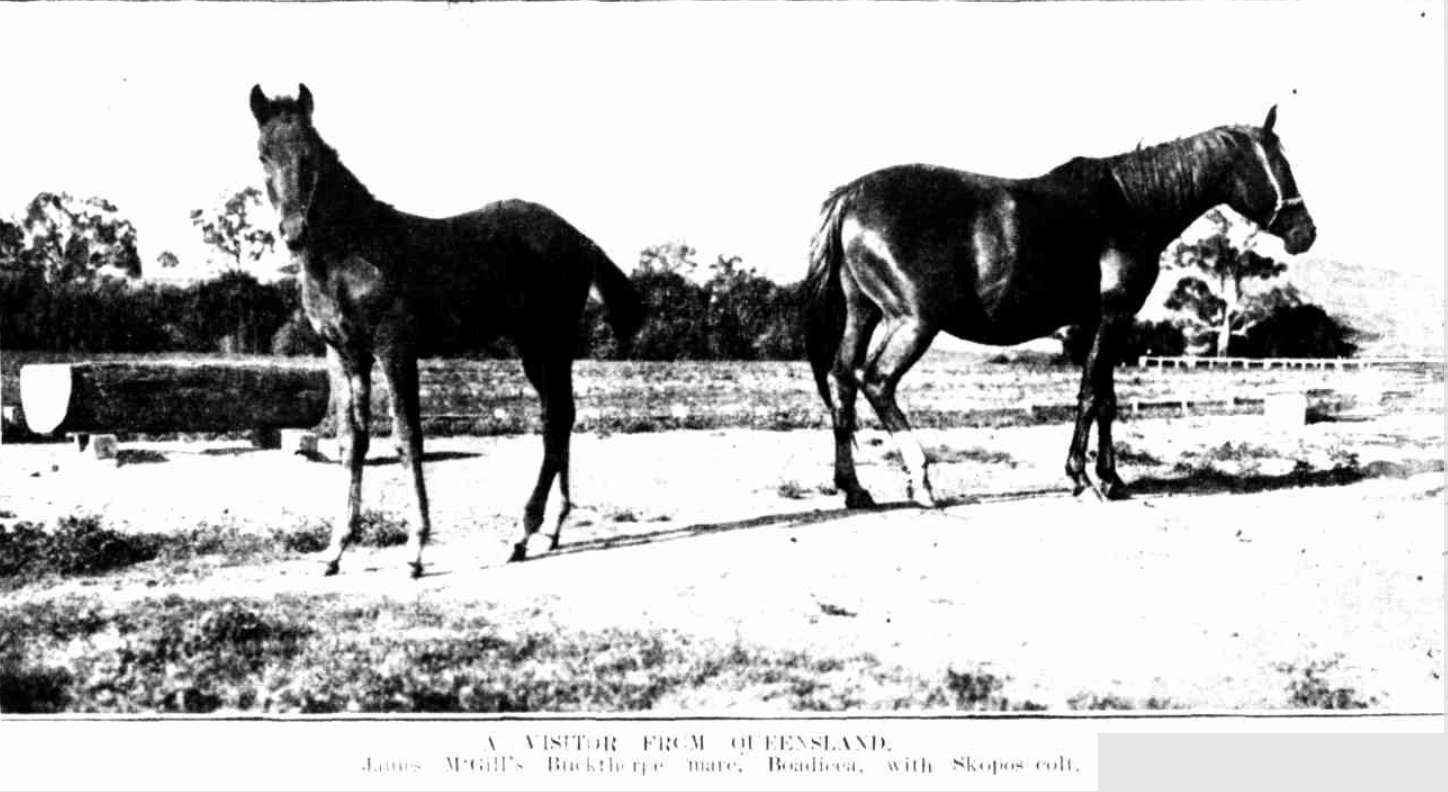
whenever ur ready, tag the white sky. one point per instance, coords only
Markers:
(719, 124)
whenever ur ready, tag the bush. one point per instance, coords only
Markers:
(735, 315)
(1299, 331)
(232, 313)
(1144, 338)
(297, 338)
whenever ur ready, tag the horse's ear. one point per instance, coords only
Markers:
(1271, 120)
(304, 99)
(261, 106)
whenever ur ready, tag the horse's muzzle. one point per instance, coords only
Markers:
(1299, 239)
(294, 230)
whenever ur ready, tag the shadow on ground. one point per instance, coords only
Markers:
(1196, 482)
(427, 456)
(703, 529)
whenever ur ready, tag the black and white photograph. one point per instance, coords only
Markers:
(729, 393)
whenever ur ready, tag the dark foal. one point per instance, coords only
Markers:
(907, 252)
(383, 286)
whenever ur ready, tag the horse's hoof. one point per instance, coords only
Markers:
(859, 499)
(553, 545)
(520, 552)
(923, 497)
(1115, 491)
(416, 569)
(330, 569)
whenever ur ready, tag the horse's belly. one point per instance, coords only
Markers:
(1015, 309)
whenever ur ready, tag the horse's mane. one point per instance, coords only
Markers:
(1174, 175)
(348, 184)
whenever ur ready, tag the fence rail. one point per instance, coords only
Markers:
(1154, 361)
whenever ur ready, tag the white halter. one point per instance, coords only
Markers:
(1283, 201)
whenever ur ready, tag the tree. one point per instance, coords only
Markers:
(12, 248)
(233, 229)
(71, 240)
(780, 335)
(672, 257)
(1280, 323)
(1212, 298)
(1143, 338)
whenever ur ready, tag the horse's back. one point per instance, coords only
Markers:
(986, 258)
(510, 268)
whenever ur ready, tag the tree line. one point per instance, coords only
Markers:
(70, 281)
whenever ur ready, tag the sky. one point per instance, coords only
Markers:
(722, 125)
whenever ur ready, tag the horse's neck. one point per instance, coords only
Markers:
(1164, 197)
(347, 211)
(1159, 224)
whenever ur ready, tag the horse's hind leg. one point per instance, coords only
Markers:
(553, 379)
(353, 379)
(400, 369)
(901, 343)
(557, 437)
(842, 385)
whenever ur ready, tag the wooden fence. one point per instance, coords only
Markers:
(1189, 362)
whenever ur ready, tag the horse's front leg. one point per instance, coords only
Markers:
(399, 367)
(1109, 486)
(353, 378)
(1097, 401)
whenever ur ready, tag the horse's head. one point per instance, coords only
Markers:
(1264, 191)
(292, 154)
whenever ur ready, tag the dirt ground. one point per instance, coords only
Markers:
(1255, 565)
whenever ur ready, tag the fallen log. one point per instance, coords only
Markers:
(172, 396)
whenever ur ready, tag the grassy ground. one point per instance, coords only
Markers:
(318, 654)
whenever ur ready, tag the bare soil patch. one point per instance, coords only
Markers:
(715, 571)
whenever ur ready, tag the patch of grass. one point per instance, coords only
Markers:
(1111, 701)
(75, 546)
(377, 529)
(84, 546)
(978, 691)
(942, 454)
(791, 490)
(317, 654)
(623, 515)
(1309, 688)
(1238, 452)
(34, 690)
(1127, 455)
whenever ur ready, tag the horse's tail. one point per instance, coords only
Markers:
(625, 307)
(824, 308)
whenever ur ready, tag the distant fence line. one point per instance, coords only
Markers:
(489, 397)
(1154, 361)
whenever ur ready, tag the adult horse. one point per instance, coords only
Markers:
(907, 252)
(383, 285)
